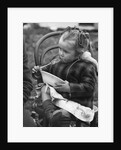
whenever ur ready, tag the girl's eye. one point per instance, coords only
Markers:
(65, 51)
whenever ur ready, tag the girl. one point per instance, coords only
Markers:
(78, 69)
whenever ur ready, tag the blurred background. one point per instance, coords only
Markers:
(32, 32)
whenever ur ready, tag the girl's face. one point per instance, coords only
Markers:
(67, 53)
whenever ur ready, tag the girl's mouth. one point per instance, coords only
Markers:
(64, 59)
(61, 58)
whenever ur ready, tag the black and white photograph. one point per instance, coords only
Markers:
(60, 73)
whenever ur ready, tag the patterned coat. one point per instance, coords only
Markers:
(82, 77)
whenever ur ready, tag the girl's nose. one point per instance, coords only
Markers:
(61, 53)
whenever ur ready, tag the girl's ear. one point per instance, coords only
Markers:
(82, 40)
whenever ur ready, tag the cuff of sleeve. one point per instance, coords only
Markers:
(72, 88)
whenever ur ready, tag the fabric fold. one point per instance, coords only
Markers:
(81, 112)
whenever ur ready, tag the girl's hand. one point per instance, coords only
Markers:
(36, 74)
(63, 87)
(45, 93)
(35, 69)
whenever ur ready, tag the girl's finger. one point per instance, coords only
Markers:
(56, 87)
(34, 70)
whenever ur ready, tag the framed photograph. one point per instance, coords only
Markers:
(42, 33)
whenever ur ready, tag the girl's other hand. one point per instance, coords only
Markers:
(63, 87)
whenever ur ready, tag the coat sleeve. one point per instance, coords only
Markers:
(27, 83)
(87, 85)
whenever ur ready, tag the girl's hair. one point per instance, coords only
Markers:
(78, 39)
